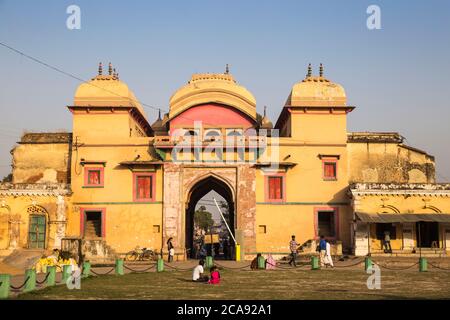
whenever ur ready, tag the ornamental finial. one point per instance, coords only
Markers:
(309, 74)
(321, 70)
(100, 69)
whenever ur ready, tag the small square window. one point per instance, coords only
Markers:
(93, 177)
(156, 229)
(262, 229)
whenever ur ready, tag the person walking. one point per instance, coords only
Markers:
(293, 246)
(328, 259)
(387, 242)
(170, 249)
(323, 250)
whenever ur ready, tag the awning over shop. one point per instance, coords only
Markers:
(402, 217)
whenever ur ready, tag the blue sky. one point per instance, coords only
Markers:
(398, 77)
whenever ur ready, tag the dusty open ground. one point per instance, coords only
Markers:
(301, 283)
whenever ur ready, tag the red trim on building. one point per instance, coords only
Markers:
(335, 210)
(152, 186)
(326, 176)
(87, 183)
(83, 219)
(267, 195)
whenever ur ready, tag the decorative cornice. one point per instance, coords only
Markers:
(34, 189)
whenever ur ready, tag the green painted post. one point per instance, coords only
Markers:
(314, 263)
(367, 263)
(209, 262)
(160, 265)
(86, 269)
(51, 279)
(66, 273)
(5, 281)
(31, 283)
(423, 265)
(119, 267)
(261, 262)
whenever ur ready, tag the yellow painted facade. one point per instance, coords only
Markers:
(112, 136)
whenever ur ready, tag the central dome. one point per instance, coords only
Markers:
(217, 88)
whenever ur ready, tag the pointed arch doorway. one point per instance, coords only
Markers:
(220, 243)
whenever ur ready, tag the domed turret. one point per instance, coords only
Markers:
(106, 91)
(316, 91)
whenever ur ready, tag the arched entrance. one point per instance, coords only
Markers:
(196, 193)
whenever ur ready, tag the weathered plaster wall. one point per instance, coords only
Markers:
(389, 161)
(42, 158)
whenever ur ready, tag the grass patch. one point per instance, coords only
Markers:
(290, 284)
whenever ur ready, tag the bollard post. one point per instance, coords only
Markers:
(314, 263)
(209, 262)
(367, 263)
(5, 281)
(31, 283)
(66, 273)
(86, 269)
(261, 262)
(238, 252)
(119, 267)
(423, 265)
(51, 279)
(160, 265)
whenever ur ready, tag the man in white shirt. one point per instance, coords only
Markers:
(197, 274)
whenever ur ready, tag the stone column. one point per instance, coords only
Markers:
(14, 231)
(60, 221)
(172, 222)
(246, 208)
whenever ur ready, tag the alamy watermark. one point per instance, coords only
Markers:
(73, 21)
(74, 281)
(374, 280)
(373, 22)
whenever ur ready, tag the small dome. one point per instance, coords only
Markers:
(106, 91)
(217, 88)
(265, 121)
(316, 91)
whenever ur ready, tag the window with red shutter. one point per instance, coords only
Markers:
(275, 188)
(143, 187)
(94, 177)
(329, 170)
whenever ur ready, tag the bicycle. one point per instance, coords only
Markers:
(141, 255)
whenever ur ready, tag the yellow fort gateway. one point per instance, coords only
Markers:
(119, 180)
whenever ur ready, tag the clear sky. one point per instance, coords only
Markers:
(398, 77)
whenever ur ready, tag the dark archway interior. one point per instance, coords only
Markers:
(202, 188)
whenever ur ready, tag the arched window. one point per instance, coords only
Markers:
(212, 134)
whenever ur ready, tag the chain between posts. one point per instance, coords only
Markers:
(438, 267)
(21, 286)
(105, 273)
(45, 279)
(140, 271)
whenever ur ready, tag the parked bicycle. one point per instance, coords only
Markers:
(143, 254)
